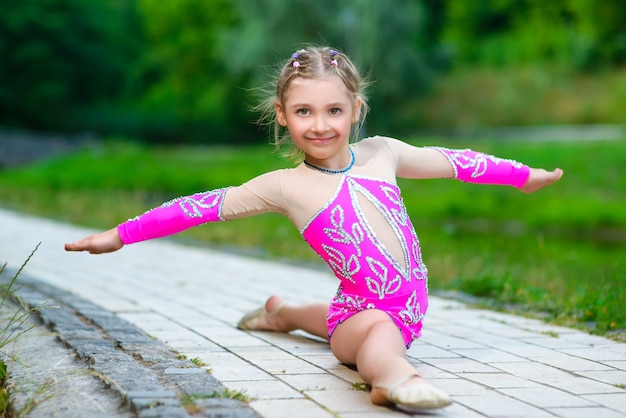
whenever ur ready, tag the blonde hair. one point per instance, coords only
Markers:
(310, 63)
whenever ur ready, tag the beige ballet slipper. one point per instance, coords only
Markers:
(411, 398)
(252, 320)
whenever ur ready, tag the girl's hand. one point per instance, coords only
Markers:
(104, 242)
(540, 178)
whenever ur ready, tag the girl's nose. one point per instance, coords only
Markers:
(320, 124)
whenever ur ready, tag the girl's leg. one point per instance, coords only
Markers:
(280, 317)
(371, 341)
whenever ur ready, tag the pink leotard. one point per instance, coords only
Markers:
(356, 222)
(371, 277)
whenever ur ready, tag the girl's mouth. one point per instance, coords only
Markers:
(321, 140)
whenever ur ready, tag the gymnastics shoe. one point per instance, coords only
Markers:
(415, 398)
(254, 321)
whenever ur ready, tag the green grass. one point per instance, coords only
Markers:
(522, 95)
(557, 253)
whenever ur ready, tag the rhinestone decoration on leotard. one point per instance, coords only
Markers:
(328, 170)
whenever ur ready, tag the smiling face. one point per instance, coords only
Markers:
(319, 113)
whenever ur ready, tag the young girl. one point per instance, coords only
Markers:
(344, 200)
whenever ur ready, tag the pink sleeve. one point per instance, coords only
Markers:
(476, 167)
(174, 216)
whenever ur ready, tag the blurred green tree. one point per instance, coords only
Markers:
(59, 56)
(575, 34)
(185, 70)
(185, 82)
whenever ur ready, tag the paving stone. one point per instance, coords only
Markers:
(615, 401)
(586, 412)
(285, 408)
(498, 405)
(546, 397)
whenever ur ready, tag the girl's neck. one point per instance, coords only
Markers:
(340, 168)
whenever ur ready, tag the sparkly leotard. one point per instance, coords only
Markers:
(356, 222)
(370, 275)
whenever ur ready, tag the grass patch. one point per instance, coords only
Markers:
(361, 386)
(557, 253)
(522, 95)
(14, 316)
(189, 401)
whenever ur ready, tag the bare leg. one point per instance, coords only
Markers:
(371, 341)
(280, 317)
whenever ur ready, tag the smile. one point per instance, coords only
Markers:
(321, 140)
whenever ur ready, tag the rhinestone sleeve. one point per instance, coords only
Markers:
(174, 216)
(476, 167)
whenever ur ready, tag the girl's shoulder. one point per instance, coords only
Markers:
(377, 142)
(376, 145)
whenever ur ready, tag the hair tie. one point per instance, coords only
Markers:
(334, 53)
(295, 56)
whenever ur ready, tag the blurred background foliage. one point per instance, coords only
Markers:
(185, 70)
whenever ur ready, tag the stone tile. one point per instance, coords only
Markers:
(323, 361)
(554, 332)
(620, 365)
(503, 329)
(463, 365)
(431, 371)
(313, 382)
(525, 350)
(235, 340)
(265, 389)
(145, 318)
(285, 408)
(448, 342)
(498, 405)
(586, 412)
(545, 397)
(577, 340)
(618, 347)
(615, 401)
(499, 380)
(287, 366)
(341, 401)
(347, 374)
(597, 354)
(556, 378)
(570, 363)
(227, 367)
(424, 351)
(488, 355)
(459, 386)
(259, 353)
(203, 324)
(119, 305)
(374, 414)
(456, 410)
(292, 343)
(194, 345)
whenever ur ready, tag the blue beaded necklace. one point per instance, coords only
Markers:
(328, 170)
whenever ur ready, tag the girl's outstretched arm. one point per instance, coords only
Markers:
(104, 242)
(256, 196)
(469, 166)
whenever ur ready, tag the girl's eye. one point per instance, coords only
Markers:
(335, 111)
(303, 112)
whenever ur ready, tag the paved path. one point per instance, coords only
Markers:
(493, 364)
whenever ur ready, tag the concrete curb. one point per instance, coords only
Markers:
(145, 375)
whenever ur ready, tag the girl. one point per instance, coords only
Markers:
(344, 200)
